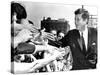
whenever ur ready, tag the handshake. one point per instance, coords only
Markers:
(58, 52)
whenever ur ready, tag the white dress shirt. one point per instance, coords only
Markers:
(85, 36)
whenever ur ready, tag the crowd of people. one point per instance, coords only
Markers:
(34, 50)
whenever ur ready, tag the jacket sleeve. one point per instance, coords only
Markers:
(25, 48)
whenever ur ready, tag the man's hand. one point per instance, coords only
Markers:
(58, 53)
(51, 49)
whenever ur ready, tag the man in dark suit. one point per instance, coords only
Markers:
(82, 42)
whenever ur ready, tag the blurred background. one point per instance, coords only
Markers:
(37, 10)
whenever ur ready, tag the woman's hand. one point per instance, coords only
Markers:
(24, 35)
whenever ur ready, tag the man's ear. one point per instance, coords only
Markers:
(86, 20)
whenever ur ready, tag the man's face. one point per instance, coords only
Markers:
(80, 22)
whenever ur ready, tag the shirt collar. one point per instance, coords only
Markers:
(85, 31)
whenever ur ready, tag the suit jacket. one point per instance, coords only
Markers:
(81, 57)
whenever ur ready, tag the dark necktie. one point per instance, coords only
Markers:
(83, 44)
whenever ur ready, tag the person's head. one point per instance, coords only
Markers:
(54, 32)
(18, 12)
(60, 35)
(81, 18)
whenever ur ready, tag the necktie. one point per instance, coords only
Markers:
(83, 44)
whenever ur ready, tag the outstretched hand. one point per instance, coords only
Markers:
(24, 35)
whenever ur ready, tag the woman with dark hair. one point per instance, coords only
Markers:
(20, 29)
(19, 18)
(15, 8)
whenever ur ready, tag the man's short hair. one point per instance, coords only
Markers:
(85, 13)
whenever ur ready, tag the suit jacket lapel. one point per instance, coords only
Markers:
(76, 36)
(78, 42)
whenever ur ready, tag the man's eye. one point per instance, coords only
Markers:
(78, 19)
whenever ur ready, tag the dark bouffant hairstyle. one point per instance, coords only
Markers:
(19, 10)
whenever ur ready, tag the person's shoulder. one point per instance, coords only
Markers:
(73, 32)
(26, 22)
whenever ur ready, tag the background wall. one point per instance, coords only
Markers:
(37, 10)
